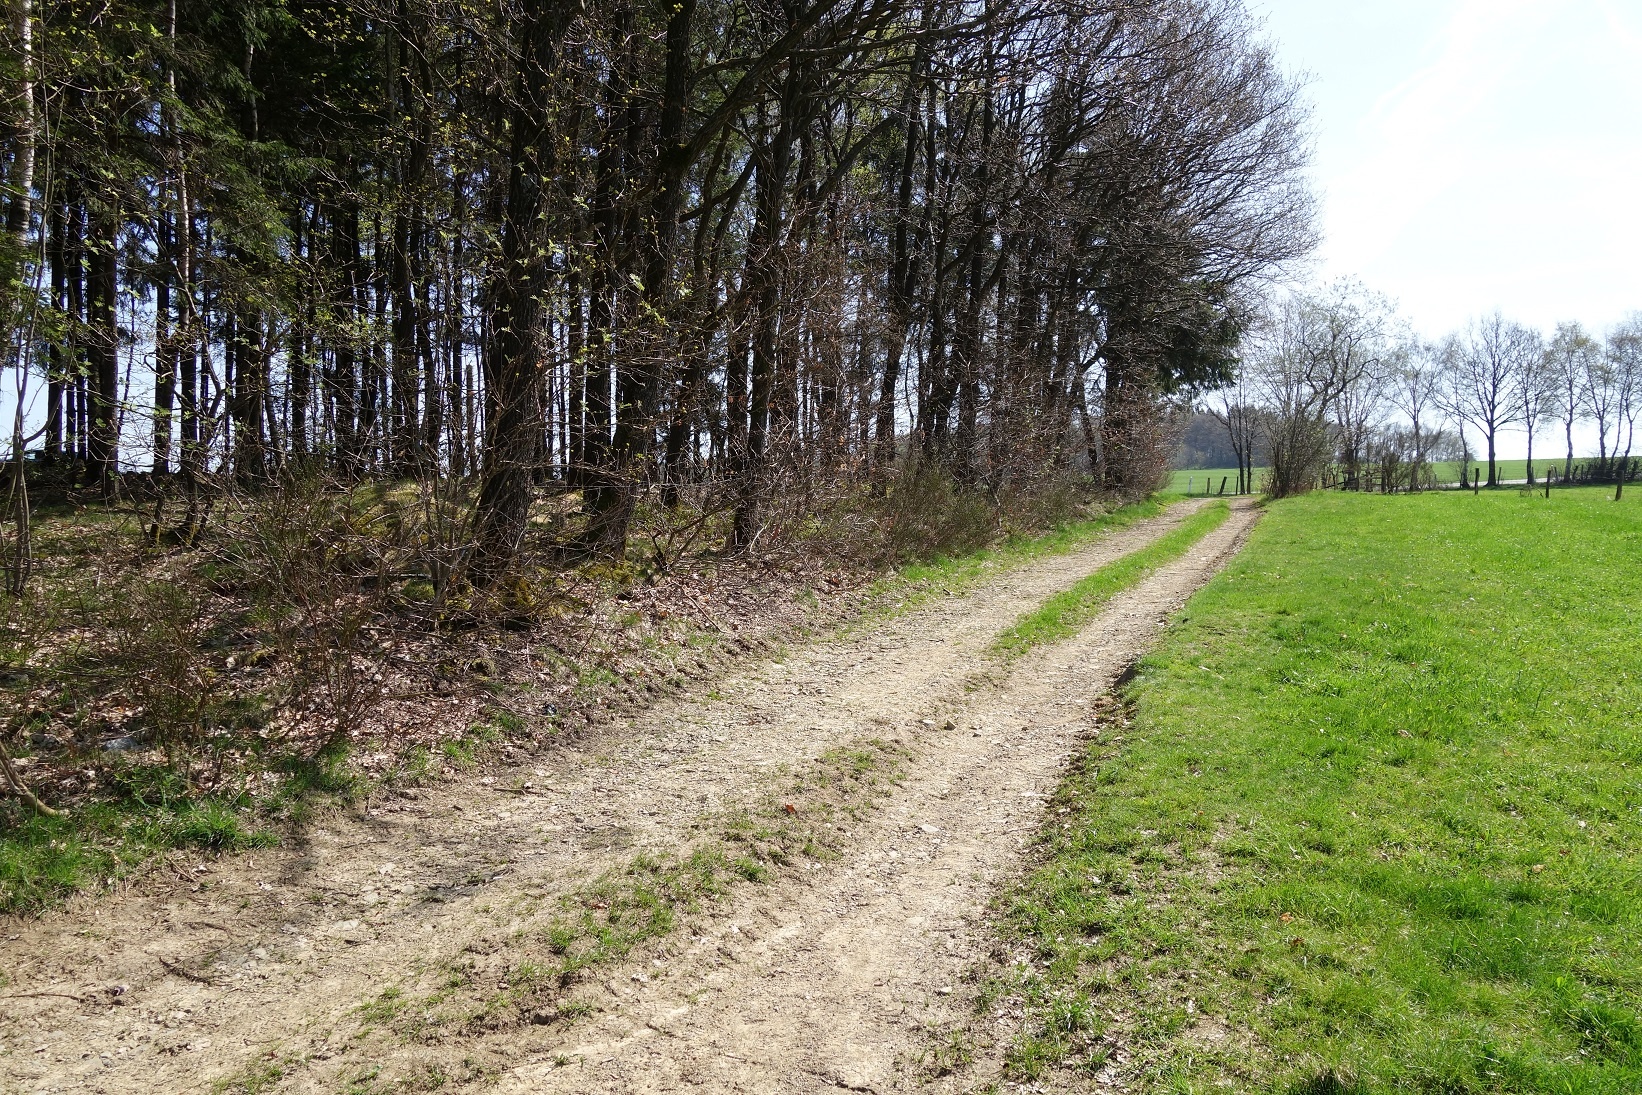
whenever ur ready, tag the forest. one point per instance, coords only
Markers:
(712, 256)
(364, 353)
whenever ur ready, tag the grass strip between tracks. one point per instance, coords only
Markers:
(1064, 614)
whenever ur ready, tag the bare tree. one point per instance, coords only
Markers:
(1360, 409)
(1415, 391)
(1602, 388)
(1313, 351)
(1568, 360)
(1484, 369)
(1535, 388)
(1625, 356)
(1236, 409)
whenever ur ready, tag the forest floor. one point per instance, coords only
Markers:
(778, 881)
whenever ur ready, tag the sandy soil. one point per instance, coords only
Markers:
(257, 972)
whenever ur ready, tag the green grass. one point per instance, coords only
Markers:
(1065, 613)
(1445, 471)
(44, 859)
(1374, 810)
(1195, 478)
(1509, 470)
(915, 582)
(1448, 471)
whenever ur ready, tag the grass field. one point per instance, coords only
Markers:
(1197, 477)
(1371, 821)
(1446, 472)
(1508, 470)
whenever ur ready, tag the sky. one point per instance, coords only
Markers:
(1476, 154)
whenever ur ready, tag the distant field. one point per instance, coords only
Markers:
(1373, 822)
(1446, 472)
(1510, 469)
(1197, 477)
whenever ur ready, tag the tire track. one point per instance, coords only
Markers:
(261, 963)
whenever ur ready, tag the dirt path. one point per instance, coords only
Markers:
(264, 969)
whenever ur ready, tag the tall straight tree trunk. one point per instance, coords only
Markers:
(165, 347)
(57, 355)
(613, 502)
(79, 364)
(512, 368)
(19, 210)
(965, 455)
(576, 348)
(455, 346)
(165, 343)
(186, 336)
(764, 245)
(246, 400)
(103, 443)
(898, 291)
(301, 374)
(610, 166)
(344, 383)
(735, 380)
(402, 416)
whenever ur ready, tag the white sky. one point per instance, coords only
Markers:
(1474, 154)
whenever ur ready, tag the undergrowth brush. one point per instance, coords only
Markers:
(308, 646)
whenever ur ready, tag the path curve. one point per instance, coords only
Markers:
(259, 965)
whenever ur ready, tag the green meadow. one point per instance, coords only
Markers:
(1368, 820)
(1200, 480)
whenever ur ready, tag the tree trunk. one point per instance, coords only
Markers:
(58, 355)
(165, 347)
(102, 443)
(186, 337)
(1568, 468)
(512, 366)
(612, 503)
(764, 246)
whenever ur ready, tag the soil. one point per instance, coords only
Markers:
(267, 971)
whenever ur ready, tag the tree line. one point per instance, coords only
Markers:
(1336, 390)
(700, 253)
